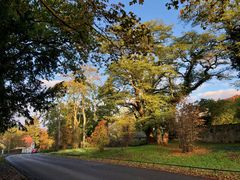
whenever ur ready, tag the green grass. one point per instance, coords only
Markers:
(219, 156)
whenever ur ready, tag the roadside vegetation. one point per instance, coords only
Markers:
(216, 156)
(206, 160)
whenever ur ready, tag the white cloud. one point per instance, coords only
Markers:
(219, 94)
(51, 83)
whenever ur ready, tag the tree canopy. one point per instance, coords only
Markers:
(224, 111)
(221, 16)
(40, 39)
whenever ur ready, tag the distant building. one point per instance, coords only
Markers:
(28, 149)
(23, 150)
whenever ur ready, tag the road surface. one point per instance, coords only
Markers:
(46, 167)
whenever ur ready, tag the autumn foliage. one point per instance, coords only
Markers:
(189, 125)
(100, 137)
(45, 141)
(28, 140)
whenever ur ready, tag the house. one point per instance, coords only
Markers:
(28, 149)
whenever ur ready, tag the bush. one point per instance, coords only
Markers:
(99, 137)
(189, 125)
(122, 130)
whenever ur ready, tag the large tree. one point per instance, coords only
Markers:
(59, 123)
(74, 116)
(138, 68)
(198, 59)
(78, 96)
(40, 38)
(175, 66)
(159, 70)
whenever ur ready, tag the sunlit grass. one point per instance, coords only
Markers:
(220, 156)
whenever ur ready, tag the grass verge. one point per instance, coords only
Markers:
(215, 156)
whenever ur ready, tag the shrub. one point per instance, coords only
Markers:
(45, 142)
(99, 137)
(122, 130)
(189, 125)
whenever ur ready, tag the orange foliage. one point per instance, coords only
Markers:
(44, 140)
(100, 136)
(28, 140)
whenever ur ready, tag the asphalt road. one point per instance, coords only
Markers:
(44, 167)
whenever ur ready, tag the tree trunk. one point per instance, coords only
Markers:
(159, 137)
(165, 138)
(75, 141)
(9, 144)
(59, 134)
(95, 110)
(84, 122)
(162, 137)
(149, 134)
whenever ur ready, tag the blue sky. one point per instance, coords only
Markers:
(156, 10)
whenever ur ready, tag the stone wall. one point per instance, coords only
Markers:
(228, 133)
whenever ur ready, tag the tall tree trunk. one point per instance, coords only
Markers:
(59, 134)
(9, 144)
(84, 122)
(75, 135)
(95, 118)
(149, 134)
(159, 137)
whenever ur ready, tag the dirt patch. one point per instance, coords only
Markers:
(196, 151)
